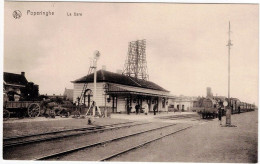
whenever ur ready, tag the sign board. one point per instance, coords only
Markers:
(225, 103)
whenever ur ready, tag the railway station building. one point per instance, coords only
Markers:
(116, 91)
(181, 103)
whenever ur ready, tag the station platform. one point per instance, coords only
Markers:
(132, 116)
(149, 117)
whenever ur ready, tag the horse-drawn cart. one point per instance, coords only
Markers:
(30, 108)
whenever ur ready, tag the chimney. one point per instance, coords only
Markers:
(209, 92)
(104, 67)
(119, 71)
(23, 73)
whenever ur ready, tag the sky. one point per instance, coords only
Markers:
(186, 44)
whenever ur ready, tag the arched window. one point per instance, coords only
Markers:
(87, 96)
(163, 102)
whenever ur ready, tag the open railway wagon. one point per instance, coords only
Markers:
(51, 108)
(22, 108)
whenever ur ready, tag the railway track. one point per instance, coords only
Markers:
(137, 140)
(176, 117)
(58, 131)
(26, 139)
(107, 158)
(191, 117)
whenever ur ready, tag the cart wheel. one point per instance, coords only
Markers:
(33, 110)
(6, 115)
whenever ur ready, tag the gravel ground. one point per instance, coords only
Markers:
(42, 125)
(207, 142)
(26, 126)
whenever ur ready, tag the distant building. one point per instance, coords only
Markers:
(14, 82)
(16, 87)
(181, 103)
(68, 94)
(117, 91)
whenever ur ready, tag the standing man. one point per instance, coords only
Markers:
(137, 108)
(128, 108)
(220, 114)
(155, 107)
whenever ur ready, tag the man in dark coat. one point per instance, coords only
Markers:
(137, 108)
(155, 107)
(220, 114)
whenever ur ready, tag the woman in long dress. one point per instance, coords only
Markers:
(146, 108)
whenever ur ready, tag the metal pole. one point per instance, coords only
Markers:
(228, 113)
(229, 75)
(137, 59)
(95, 85)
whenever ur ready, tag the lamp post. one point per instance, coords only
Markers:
(96, 56)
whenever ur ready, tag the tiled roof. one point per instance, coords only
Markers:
(14, 79)
(106, 76)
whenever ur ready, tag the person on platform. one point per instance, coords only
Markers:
(155, 107)
(137, 108)
(128, 109)
(220, 115)
(146, 108)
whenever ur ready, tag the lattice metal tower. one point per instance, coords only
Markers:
(135, 64)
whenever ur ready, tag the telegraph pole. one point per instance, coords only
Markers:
(95, 85)
(96, 56)
(228, 113)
